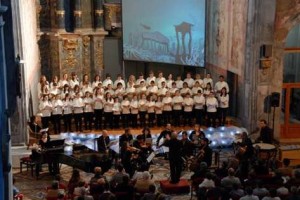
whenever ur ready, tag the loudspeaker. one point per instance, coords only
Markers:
(266, 51)
(275, 99)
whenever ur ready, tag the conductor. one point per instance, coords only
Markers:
(175, 154)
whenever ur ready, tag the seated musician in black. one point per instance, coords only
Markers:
(266, 133)
(103, 142)
(196, 135)
(187, 146)
(205, 152)
(164, 133)
(146, 133)
(246, 150)
(126, 137)
(126, 155)
(142, 148)
(42, 156)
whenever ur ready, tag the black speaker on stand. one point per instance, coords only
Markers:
(275, 100)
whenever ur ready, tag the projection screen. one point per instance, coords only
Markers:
(164, 31)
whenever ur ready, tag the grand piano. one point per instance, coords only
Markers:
(81, 157)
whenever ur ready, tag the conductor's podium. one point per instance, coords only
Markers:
(181, 187)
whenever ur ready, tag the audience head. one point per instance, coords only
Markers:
(152, 188)
(97, 170)
(120, 168)
(249, 191)
(286, 162)
(273, 192)
(146, 175)
(184, 135)
(231, 172)
(55, 185)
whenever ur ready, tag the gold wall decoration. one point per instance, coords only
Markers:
(112, 15)
(86, 52)
(70, 46)
(99, 54)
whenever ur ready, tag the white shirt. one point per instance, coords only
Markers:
(116, 108)
(199, 101)
(207, 80)
(119, 81)
(177, 102)
(138, 81)
(106, 82)
(125, 105)
(119, 91)
(195, 90)
(188, 103)
(78, 105)
(134, 107)
(87, 88)
(159, 81)
(219, 85)
(45, 108)
(57, 107)
(67, 107)
(207, 183)
(88, 102)
(62, 83)
(158, 107)
(130, 89)
(142, 105)
(179, 84)
(95, 84)
(151, 106)
(223, 101)
(108, 105)
(152, 89)
(189, 81)
(200, 81)
(98, 102)
(212, 104)
(73, 83)
(184, 91)
(141, 89)
(162, 91)
(169, 83)
(167, 103)
(149, 79)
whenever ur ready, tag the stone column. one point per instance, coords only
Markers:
(77, 15)
(60, 14)
(98, 64)
(98, 15)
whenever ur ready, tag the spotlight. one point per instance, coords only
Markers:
(223, 142)
(221, 134)
(214, 143)
(210, 129)
(231, 133)
(208, 135)
(222, 128)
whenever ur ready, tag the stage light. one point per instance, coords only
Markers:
(222, 128)
(223, 141)
(72, 135)
(82, 135)
(77, 141)
(64, 135)
(214, 143)
(221, 134)
(211, 129)
(231, 133)
(208, 135)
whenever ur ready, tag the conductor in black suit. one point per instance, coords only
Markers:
(103, 142)
(175, 154)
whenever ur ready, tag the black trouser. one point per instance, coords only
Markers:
(175, 168)
(199, 115)
(133, 118)
(116, 121)
(211, 119)
(187, 118)
(45, 121)
(167, 116)
(177, 117)
(78, 121)
(222, 113)
(159, 119)
(88, 119)
(151, 118)
(108, 119)
(142, 115)
(67, 122)
(56, 123)
(98, 118)
(125, 120)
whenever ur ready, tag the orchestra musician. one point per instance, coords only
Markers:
(266, 133)
(245, 150)
(126, 137)
(103, 142)
(34, 127)
(205, 152)
(196, 135)
(168, 131)
(127, 154)
(187, 146)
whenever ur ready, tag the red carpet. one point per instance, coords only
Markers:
(179, 188)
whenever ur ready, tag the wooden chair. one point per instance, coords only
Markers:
(27, 161)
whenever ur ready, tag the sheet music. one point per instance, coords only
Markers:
(150, 157)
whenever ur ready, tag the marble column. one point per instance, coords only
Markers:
(98, 15)
(77, 15)
(60, 14)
